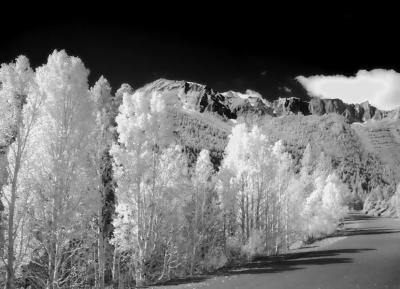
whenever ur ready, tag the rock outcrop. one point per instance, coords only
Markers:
(194, 96)
(201, 98)
(353, 112)
(290, 105)
(318, 106)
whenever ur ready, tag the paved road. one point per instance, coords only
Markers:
(368, 257)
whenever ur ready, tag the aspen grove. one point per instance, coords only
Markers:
(97, 189)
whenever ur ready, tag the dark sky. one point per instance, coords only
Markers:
(226, 46)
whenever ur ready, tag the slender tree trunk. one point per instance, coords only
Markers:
(10, 251)
(52, 265)
(96, 269)
(56, 266)
(287, 239)
(253, 215)
(115, 270)
(3, 181)
(140, 239)
(243, 218)
(267, 223)
(101, 253)
(224, 231)
(247, 217)
(53, 240)
(194, 232)
(140, 271)
(258, 202)
(258, 214)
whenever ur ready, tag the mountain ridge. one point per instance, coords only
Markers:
(233, 104)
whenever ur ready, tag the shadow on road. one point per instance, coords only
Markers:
(356, 218)
(195, 279)
(277, 264)
(369, 231)
(294, 261)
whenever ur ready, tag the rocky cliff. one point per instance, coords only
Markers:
(201, 98)
(232, 104)
(317, 106)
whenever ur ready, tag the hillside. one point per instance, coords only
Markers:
(383, 139)
(362, 141)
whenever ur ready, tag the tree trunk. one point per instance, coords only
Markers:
(3, 181)
(53, 241)
(243, 218)
(224, 232)
(96, 268)
(10, 253)
(247, 218)
(267, 223)
(286, 223)
(140, 271)
(258, 214)
(101, 254)
(115, 270)
(253, 215)
(10, 250)
(107, 194)
(52, 265)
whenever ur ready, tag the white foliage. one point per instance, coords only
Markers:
(151, 174)
(204, 168)
(21, 102)
(16, 78)
(258, 185)
(16, 82)
(326, 205)
(62, 139)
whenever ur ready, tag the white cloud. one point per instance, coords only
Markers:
(379, 87)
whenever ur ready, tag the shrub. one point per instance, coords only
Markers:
(215, 260)
(233, 250)
(254, 245)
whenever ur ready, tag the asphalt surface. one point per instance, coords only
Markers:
(367, 256)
